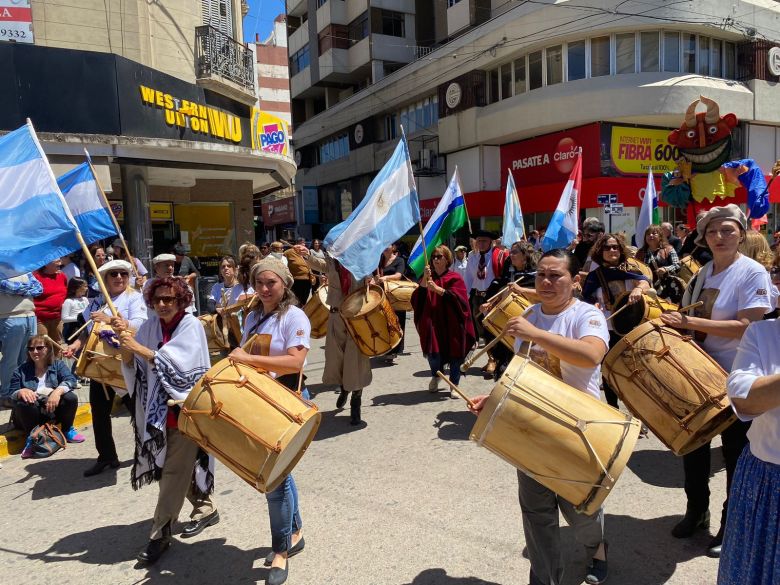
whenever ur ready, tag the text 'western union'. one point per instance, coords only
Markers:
(198, 118)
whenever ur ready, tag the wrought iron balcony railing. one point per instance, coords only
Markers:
(217, 54)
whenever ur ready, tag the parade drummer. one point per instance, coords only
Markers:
(612, 278)
(392, 266)
(130, 305)
(229, 290)
(734, 290)
(483, 267)
(345, 365)
(569, 339)
(290, 330)
(163, 361)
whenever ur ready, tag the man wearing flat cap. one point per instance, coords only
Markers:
(165, 265)
(482, 268)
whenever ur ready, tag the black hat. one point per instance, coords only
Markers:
(484, 234)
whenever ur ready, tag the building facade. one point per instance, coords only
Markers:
(494, 87)
(163, 97)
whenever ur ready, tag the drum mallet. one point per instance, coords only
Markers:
(467, 364)
(54, 343)
(172, 402)
(456, 389)
(689, 307)
(618, 311)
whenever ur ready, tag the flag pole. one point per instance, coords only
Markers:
(113, 218)
(419, 221)
(466, 207)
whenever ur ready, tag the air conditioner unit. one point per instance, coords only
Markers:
(427, 156)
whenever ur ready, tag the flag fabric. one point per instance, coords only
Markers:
(514, 229)
(82, 194)
(448, 217)
(37, 226)
(564, 223)
(648, 213)
(391, 206)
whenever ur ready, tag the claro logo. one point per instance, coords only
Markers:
(563, 156)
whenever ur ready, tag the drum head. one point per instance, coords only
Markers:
(629, 317)
(357, 304)
(292, 452)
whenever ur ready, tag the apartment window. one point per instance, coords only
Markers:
(492, 86)
(689, 53)
(729, 60)
(357, 30)
(219, 14)
(535, 70)
(716, 58)
(625, 53)
(300, 60)
(334, 148)
(506, 81)
(671, 51)
(599, 56)
(704, 56)
(554, 56)
(575, 63)
(520, 80)
(321, 3)
(392, 23)
(650, 48)
(391, 129)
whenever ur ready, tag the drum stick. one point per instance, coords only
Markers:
(54, 343)
(173, 402)
(467, 364)
(456, 389)
(689, 307)
(80, 329)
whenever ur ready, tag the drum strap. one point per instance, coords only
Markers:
(260, 321)
(608, 298)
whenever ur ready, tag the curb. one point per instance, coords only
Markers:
(12, 442)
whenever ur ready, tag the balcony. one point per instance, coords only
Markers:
(224, 65)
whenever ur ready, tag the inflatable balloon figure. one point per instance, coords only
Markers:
(705, 176)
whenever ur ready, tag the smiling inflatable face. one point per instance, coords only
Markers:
(704, 139)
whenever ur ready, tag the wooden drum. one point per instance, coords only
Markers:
(565, 439)
(640, 267)
(513, 305)
(371, 321)
(688, 269)
(669, 382)
(100, 359)
(250, 422)
(399, 293)
(643, 310)
(318, 311)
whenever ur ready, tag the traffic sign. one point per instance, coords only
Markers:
(613, 208)
(606, 198)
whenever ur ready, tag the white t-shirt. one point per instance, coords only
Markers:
(292, 330)
(758, 355)
(232, 296)
(71, 270)
(279, 256)
(72, 308)
(578, 321)
(471, 275)
(743, 285)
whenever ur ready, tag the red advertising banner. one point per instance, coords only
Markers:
(550, 158)
(279, 211)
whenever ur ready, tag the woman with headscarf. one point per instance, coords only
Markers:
(735, 291)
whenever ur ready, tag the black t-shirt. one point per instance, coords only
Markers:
(397, 266)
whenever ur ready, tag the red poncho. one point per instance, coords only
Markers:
(444, 322)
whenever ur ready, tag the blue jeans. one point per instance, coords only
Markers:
(15, 332)
(435, 361)
(283, 510)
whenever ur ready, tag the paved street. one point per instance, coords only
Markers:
(407, 500)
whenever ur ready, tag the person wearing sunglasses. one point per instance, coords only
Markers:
(612, 277)
(130, 305)
(42, 391)
(162, 361)
(140, 269)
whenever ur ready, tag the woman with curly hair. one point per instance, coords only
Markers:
(658, 254)
(163, 360)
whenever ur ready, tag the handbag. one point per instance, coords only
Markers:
(47, 439)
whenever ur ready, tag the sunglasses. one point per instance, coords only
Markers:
(115, 273)
(36, 348)
(437, 257)
(163, 300)
(614, 247)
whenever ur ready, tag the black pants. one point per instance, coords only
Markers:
(475, 300)
(402, 321)
(101, 420)
(302, 289)
(31, 415)
(696, 465)
(609, 393)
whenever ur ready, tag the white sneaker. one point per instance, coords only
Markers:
(433, 385)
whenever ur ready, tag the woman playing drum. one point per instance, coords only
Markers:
(289, 329)
(392, 267)
(661, 257)
(606, 283)
(569, 338)
(163, 361)
(442, 317)
(229, 290)
(735, 291)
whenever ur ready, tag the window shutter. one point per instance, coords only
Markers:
(219, 14)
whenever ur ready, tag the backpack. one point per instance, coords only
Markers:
(47, 439)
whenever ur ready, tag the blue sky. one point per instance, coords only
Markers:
(260, 18)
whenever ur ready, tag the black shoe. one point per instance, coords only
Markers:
(713, 549)
(154, 550)
(354, 409)
(690, 523)
(597, 570)
(195, 527)
(291, 552)
(100, 467)
(342, 399)
(277, 576)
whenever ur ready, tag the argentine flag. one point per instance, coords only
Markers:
(565, 220)
(36, 226)
(82, 194)
(391, 206)
(514, 229)
(448, 217)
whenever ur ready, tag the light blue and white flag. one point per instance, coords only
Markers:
(36, 226)
(391, 206)
(648, 213)
(514, 229)
(82, 194)
(564, 224)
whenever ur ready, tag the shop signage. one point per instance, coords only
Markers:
(453, 95)
(269, 133)
(157, 211)
(635, 150)
(16, 21)
(279, 211)
(550, 158)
